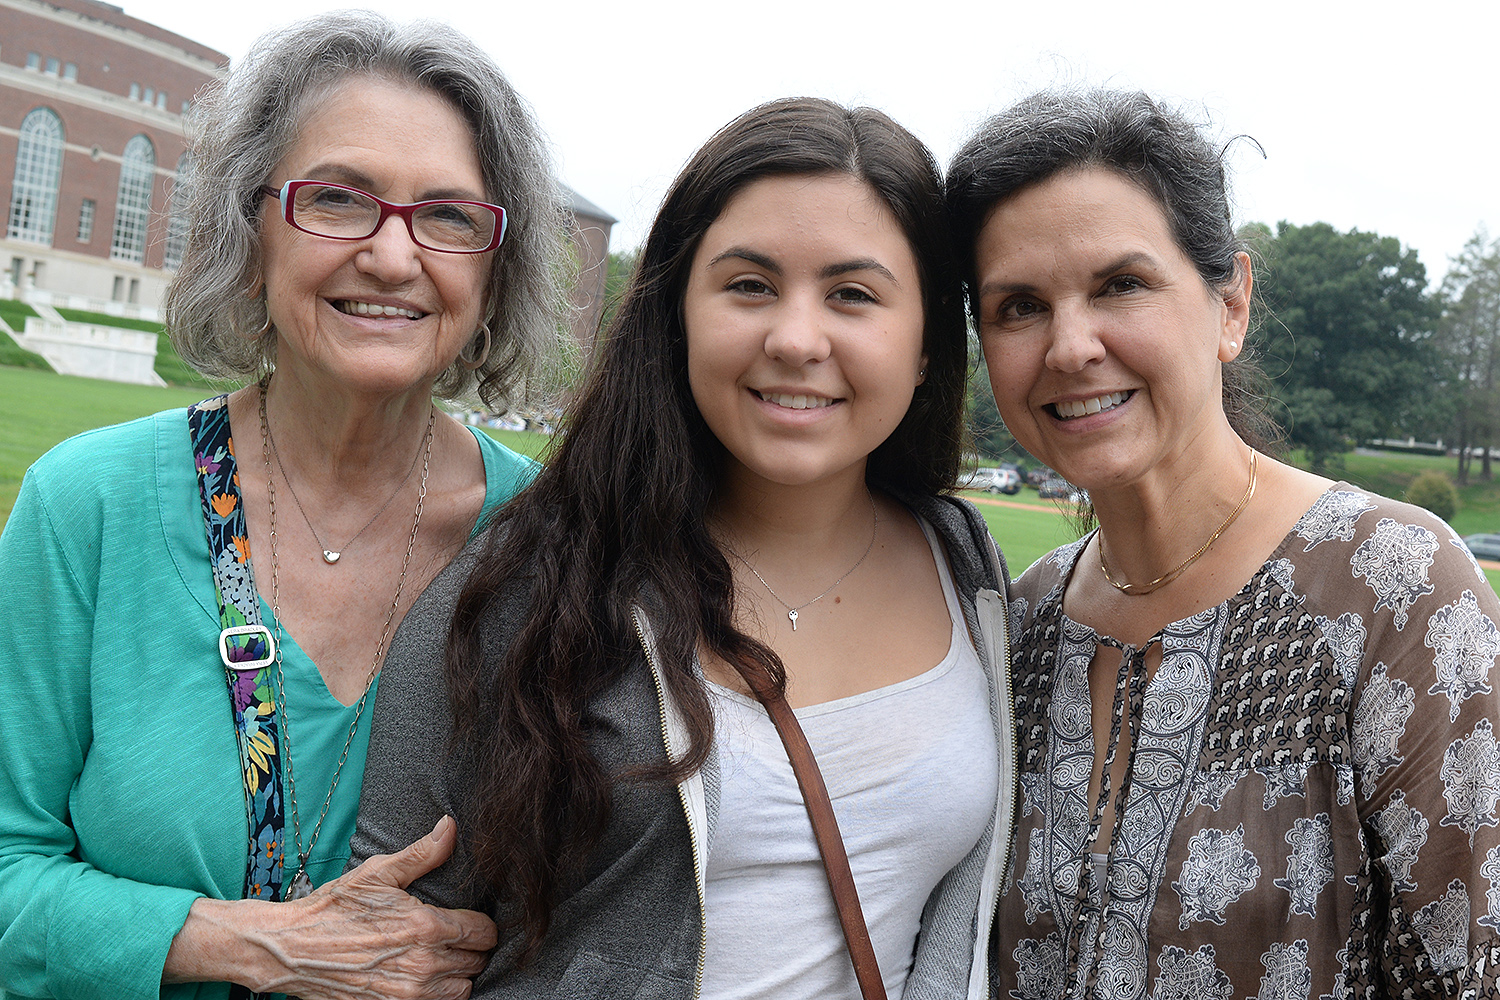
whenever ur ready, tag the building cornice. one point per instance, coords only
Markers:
(55, 88)
(117, 33)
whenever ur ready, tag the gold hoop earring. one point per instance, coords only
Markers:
(484, 352)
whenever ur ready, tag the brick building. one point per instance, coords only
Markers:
(91, 140)
(91, 150)
(591, 245)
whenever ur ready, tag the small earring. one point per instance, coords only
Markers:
(921, 375)
(1234, 345)
(484, 352)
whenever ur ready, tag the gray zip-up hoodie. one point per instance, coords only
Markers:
(631, 925)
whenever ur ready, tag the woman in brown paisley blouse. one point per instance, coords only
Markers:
(1254, 707)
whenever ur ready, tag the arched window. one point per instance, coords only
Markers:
(177, 206)
(33, 196)
(133, 205)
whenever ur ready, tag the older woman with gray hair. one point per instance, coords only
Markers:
(374, 221)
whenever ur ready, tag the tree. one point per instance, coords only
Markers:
(620, 269)
(1468, 338)
(992, 439)
(1348, 342)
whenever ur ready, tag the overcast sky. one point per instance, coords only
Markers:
(1375, 116)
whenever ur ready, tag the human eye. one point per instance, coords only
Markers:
(326, 197)
(852, 295)
(452, 214)
(750, 287)
(1123, 284)
(1015, 310)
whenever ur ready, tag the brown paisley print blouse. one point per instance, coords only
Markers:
(1311, 796)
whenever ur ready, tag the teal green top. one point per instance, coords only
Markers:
(121, 800)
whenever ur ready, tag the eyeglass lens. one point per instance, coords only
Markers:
(344, 214)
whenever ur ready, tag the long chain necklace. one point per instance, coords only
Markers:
(791, 612)
(1142, 589)
(300, 885)
(331, 556)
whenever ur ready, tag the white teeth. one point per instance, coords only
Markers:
(796, 402)
(372, 309)
(1084, 407)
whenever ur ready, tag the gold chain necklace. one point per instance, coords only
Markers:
(300, 885)
(1142, 589)
(791, 612)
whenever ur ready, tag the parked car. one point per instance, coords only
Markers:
(976, 480)
(1003, 480)
(1483, 546)
(1058, 488)
(992, 481)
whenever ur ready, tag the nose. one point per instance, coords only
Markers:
(390, 254)
(798, 334)
(1076, 340)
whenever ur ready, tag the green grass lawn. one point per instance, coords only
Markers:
(40, 408)
(105, 319)
(14, 312)
(1390, 473)
(14, 354)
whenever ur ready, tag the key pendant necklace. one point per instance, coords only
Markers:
(791, 612)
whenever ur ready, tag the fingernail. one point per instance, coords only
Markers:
(440, 832)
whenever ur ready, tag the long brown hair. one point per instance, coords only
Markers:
(618, 516)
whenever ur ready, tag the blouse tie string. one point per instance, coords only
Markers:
(1130, 688)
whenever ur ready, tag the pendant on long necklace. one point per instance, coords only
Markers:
(300, 887)
(330, 557)
(792, 614)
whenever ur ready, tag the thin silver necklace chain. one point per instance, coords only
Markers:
(331, 556)
(791, 612)
(300, 885)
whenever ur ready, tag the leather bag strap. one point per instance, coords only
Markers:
(826, 831)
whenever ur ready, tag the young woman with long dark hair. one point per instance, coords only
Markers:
(750, 496)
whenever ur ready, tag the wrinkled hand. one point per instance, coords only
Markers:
(361, 935)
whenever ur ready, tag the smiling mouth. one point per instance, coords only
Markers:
(1074, 408)
(792, 402)
(354, 307)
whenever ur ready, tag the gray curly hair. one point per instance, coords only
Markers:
(246, 123)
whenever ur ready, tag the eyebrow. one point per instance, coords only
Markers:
(1134, 258)
(858, 264)
(353, 177)
(830, 271)
(996, 287)
(1129, 260)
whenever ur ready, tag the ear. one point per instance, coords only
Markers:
(1236, 317)
(922, 369)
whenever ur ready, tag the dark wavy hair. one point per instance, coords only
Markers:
(1159, 149)
(618, 516)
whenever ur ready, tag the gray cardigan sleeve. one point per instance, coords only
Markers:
(405, 788)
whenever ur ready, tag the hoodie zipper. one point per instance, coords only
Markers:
(999, 647)
(666, 740)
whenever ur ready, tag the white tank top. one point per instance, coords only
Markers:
(912, 770)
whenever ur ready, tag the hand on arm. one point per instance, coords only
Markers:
(361, 934)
